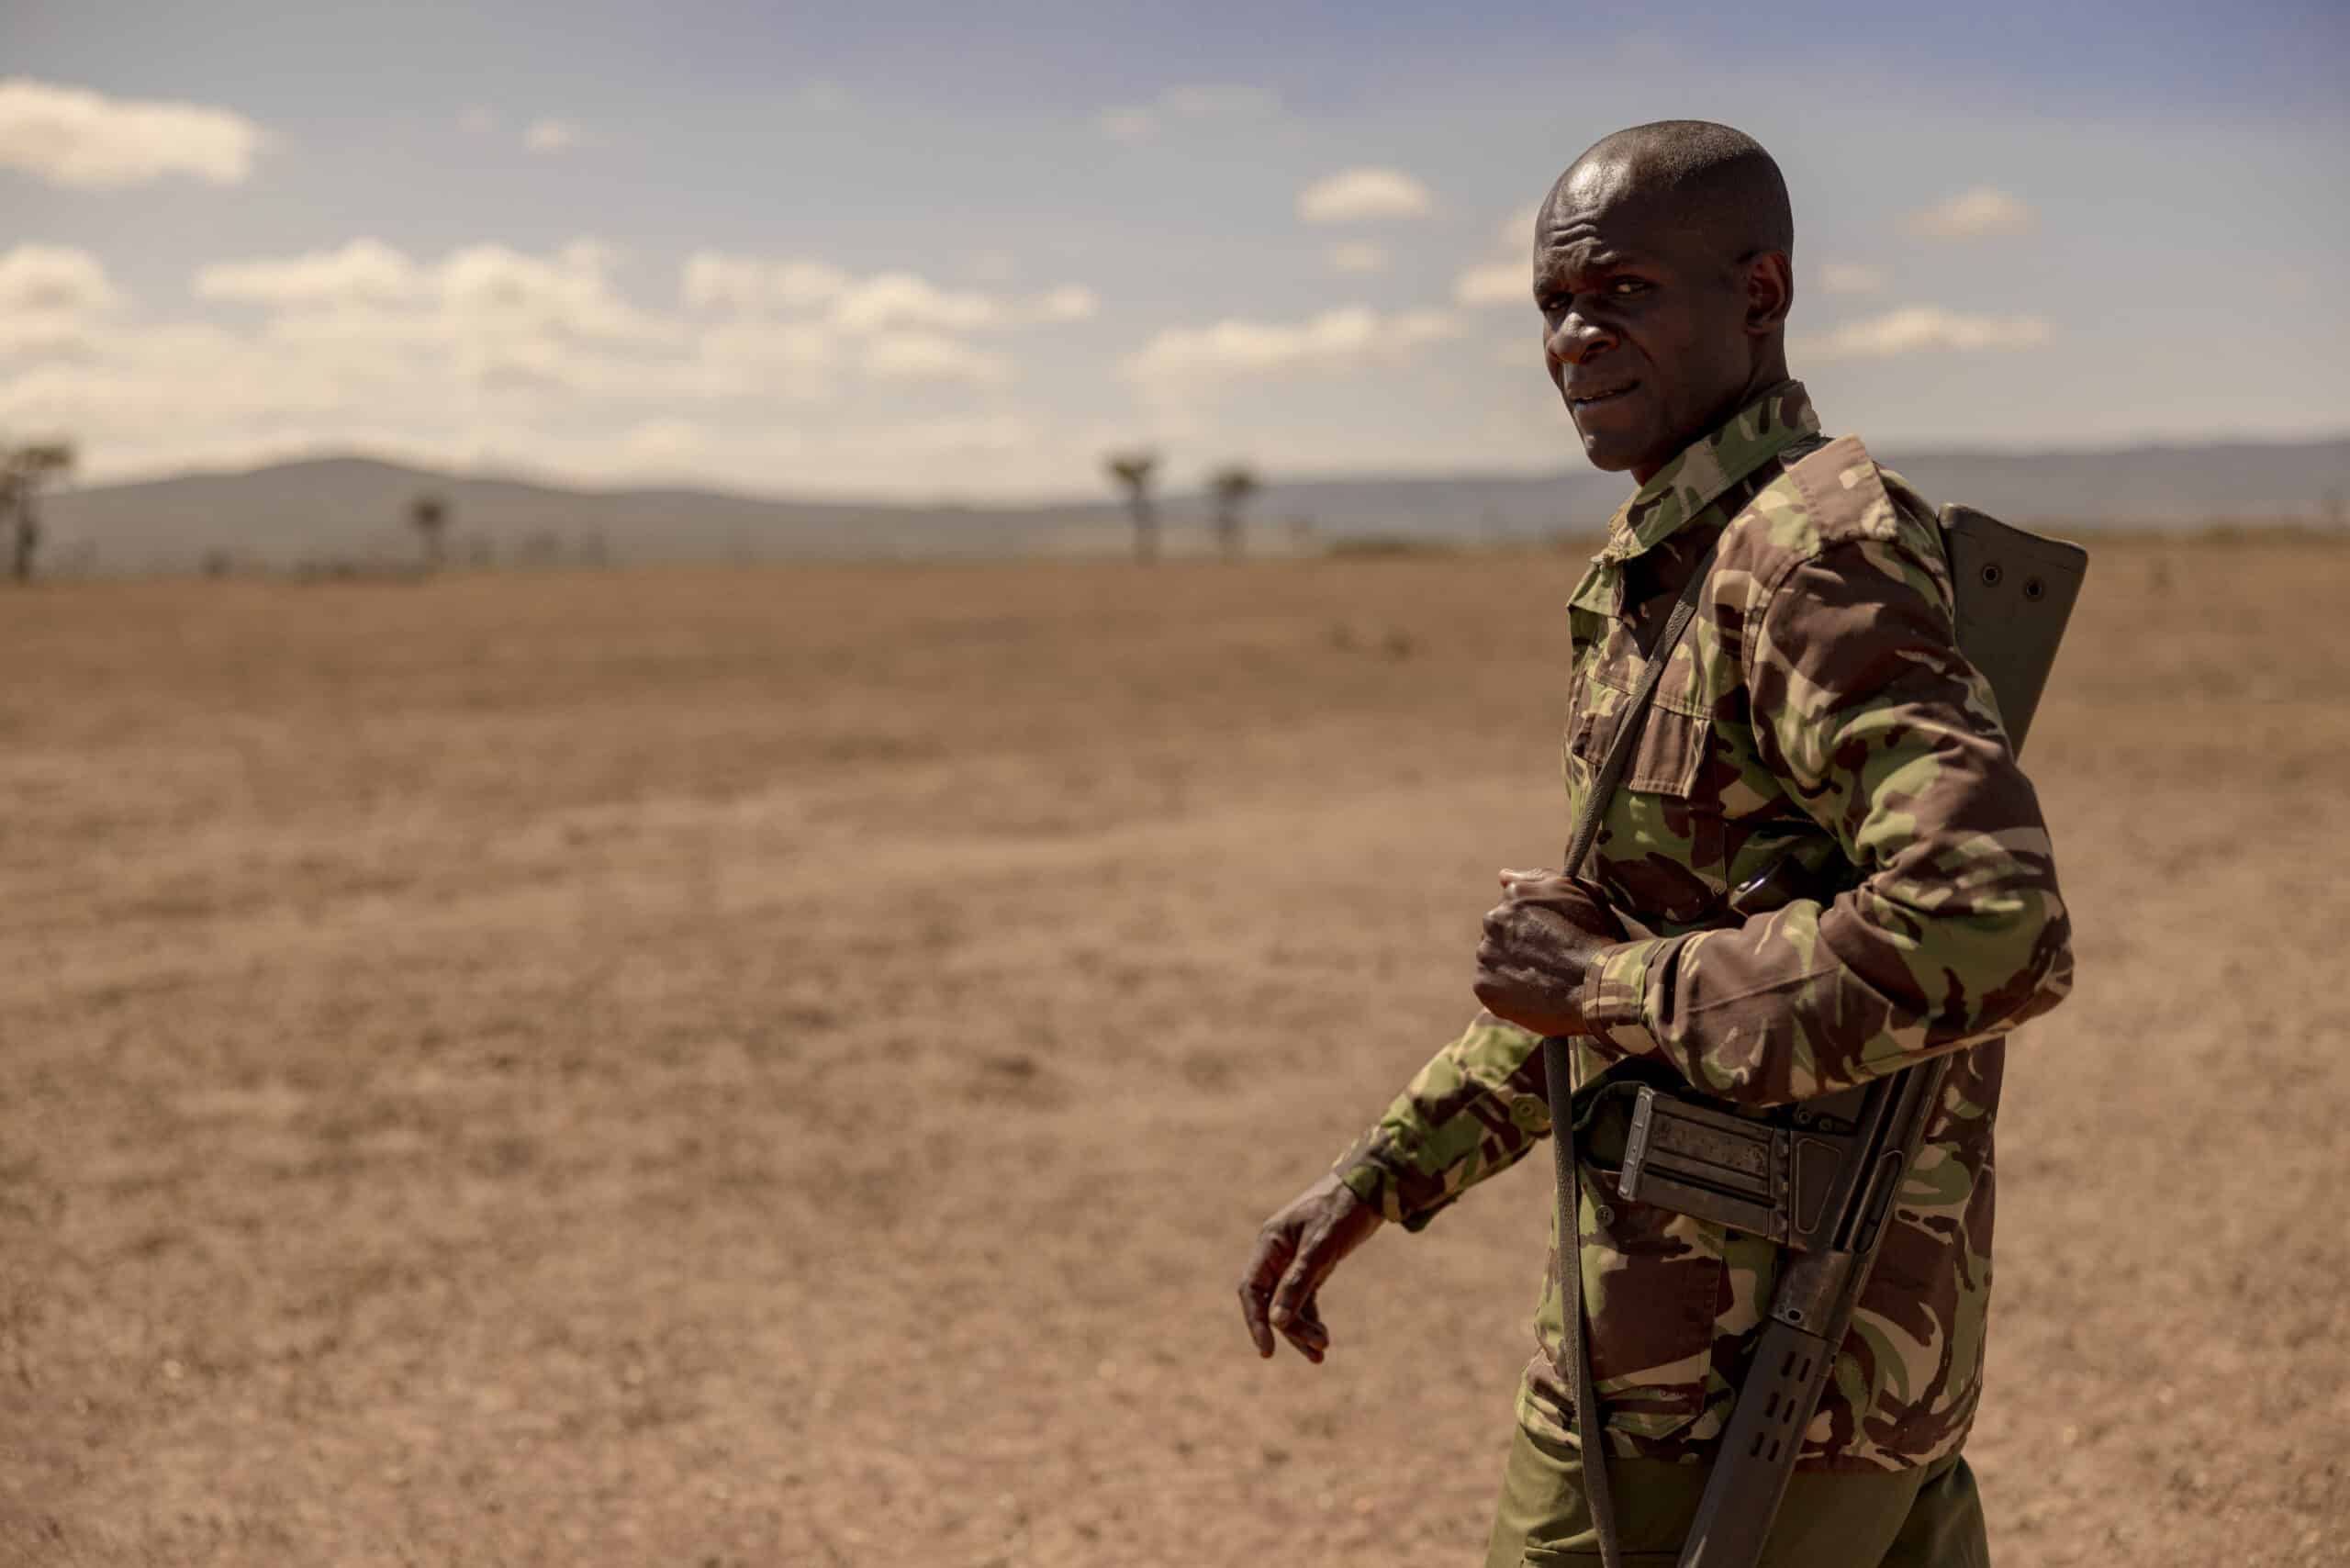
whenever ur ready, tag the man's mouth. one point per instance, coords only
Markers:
(1580, 397)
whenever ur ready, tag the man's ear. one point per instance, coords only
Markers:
(1770, 291)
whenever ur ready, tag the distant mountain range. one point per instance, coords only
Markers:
(325, 512)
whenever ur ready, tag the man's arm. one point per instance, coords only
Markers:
(1472, 1112)
(1475, 1109)
(1863, 705)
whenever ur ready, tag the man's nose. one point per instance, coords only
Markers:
(1576, 339)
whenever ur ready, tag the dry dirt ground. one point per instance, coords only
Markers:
(784, 1066)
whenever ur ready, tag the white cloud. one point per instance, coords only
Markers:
(904, 299)
(54, 280)
(664, 444)
(1068, 303)
(897, 299)
(363, 271)
(764, 361)
(718, 282)
(930, 356)
(1516, 232)
(185, 374)
(73, 136)
(1356, 195)
(1334, 339)
(1357, 258)
(1128, 125)
(367, 290)
(552, 136)
(24, 336)
(884, 301)
(1850, 277)
(1508, 279)
(540, 357)
(52, 299)
(1973, 214)
(1503, 283)
(570, 292)
(1198, 101)
(1925, 329)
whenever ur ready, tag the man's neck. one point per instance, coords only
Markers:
(1767, 375)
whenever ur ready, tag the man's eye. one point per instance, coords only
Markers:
(1626, 286)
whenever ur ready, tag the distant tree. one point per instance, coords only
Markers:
(1232, 484)
(1134, 471)
(429, 515)
(23, 471)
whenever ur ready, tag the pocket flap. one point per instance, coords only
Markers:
(1666, 759)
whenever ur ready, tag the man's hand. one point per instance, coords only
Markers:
(1295, 1252)
(1539, 941)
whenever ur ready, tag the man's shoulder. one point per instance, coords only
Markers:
(1832, 496)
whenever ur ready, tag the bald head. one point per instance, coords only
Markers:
(1662, 270)
(1718, 180)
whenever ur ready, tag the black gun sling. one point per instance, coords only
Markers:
(1558, 1050)
(1557, 1070)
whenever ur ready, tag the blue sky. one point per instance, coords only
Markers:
(930, 250)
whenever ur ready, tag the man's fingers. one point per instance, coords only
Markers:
(1300, 1280)
(1252, 1313)
(1307, 1332)
(1256, 1288)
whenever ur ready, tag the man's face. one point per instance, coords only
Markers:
(1644, 322)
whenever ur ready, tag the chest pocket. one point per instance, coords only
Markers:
(1661, 848)
(1667, 759)
(1670, 755)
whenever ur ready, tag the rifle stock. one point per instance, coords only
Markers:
(1811, 1311)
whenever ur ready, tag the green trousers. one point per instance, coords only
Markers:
(1929, 1518)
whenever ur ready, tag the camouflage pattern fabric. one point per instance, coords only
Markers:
(1820, 705)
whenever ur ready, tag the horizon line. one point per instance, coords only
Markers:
(521, 472)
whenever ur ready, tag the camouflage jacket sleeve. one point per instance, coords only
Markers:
(1472, 1111)
(1864, 708)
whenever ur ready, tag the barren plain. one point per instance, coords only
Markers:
(783, 1065)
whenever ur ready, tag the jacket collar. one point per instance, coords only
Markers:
(1696, 477)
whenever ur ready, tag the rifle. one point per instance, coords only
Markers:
(1823, 1188)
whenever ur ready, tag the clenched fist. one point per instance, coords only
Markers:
(1539, 944)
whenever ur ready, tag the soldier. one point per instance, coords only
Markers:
(1817, 706)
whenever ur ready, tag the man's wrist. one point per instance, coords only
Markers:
(1365, 1171)
(1613, 1000)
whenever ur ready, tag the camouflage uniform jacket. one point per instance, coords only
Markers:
(1816, 704)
